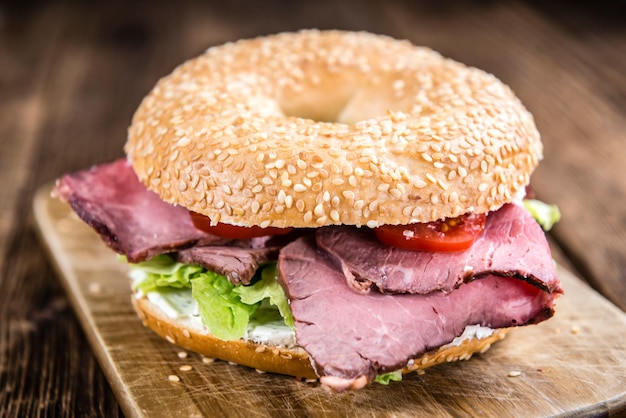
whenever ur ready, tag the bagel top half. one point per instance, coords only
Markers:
(327, 127)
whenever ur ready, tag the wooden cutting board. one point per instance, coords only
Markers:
(574, 364)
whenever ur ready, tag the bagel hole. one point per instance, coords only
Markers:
(348, 104)
(321, 105)
(316, 114)
(317, 117)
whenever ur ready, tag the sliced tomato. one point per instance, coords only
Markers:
(232, 231)
(453, 234)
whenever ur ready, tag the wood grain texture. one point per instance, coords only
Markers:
(72, 73)
(553, 359)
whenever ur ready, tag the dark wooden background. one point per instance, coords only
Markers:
(72, 73)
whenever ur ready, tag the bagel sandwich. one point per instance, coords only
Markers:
(330, 205)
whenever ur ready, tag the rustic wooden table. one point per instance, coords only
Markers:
(72, 73)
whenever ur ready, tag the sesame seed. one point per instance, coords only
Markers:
(94, 288)
(420, 184)
(318, 210)
(281, 196)
(321, 220)
(173, 378)
(348, 194)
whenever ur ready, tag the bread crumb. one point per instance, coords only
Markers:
(575, 329)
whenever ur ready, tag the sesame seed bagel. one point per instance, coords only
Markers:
(327, 127)
(288, 361)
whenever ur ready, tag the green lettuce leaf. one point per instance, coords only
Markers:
(162, 271)
(221, 308)
(547, 215)
(267, 288)
(225, 308)
(385, 378)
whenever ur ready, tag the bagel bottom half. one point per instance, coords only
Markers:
(288, 361)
